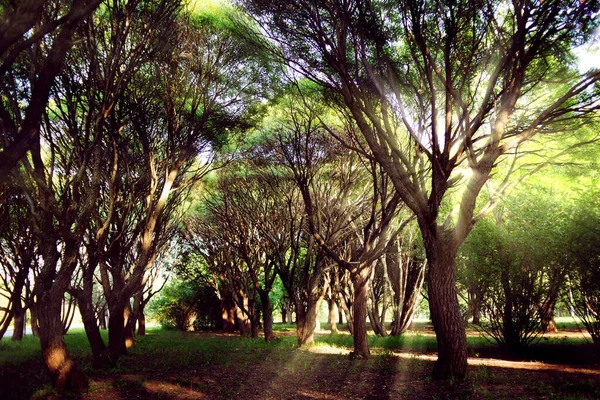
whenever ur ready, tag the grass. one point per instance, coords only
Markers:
(228, 366)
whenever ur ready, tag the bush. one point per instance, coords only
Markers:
(186, 306)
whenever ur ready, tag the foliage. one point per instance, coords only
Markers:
(186, 305)
(584, 275)
(518, 258)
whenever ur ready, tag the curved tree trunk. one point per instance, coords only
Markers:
(88, 317)
(445, 311)
(267, 316)
(547, 315)
(360, 282)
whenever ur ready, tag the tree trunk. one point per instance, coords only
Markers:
(267, 316)
(18, 321)
(349, 316)
(102, 318)
(340, 316)
(306, 322)
(116, 332)
(141, 331)
(131, 317)
(406, 277)
(63, 371)
(242, 321)
(92, 331)
(283, 315)
(546, 308)
(360, 282)
(228, 313)
(445, 311)
(332, 316)
(35, 327)
(318, 316)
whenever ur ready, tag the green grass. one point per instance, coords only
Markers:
(15, 352)
(199, 360)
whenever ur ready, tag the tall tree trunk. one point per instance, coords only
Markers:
(360, 282)
(340, 315)
(116, 332)
(306, 322)
(267, 315)
(35, 327)
(348, 313)
(228, 313)
(318, 316)
(332, 316)
(92, 331)
(131, 318)
(511, 338)
(141, 330)
(63, 372)
(444, 308)
(102, 318)
(243, 323)
(18, 323)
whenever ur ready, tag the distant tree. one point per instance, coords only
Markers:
(441, 92)
(18, 261)
(350, 205)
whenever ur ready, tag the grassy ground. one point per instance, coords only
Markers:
(176, 365)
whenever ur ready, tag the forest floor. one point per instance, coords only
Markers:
(202, 365)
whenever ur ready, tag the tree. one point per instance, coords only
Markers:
(584, 274)
(18, 260)
(441, 92)
(35, 37)
(350, 206)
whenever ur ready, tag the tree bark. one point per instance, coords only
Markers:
(348, 312)
(92, 331)
(444, 308)
(267, 316)
(102, 318)
(141, 331)
(360, 282)
(116, 332)
(18, 322)
(243, 323)
(306, 322)
(63, 372)
(332, 316)
(228, 313)
(35, 328)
